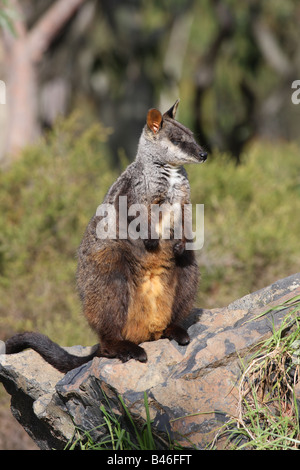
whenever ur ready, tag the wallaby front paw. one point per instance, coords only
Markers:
(151, 245)
(179, 248)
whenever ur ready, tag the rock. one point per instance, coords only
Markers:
(191, 390)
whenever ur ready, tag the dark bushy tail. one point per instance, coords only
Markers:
(50, 351)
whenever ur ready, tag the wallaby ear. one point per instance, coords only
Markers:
(154, 120)
(172, 111)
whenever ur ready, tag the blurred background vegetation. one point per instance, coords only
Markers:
(80, 76)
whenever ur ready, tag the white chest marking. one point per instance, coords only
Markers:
(174, 176)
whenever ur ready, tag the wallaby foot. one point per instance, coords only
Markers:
(179, 334)
(123, 350)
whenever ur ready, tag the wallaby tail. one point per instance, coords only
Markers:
(50, 351)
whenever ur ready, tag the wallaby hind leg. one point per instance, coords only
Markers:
(109, 330)
(113, 345)
(123, 350)
(106, 300)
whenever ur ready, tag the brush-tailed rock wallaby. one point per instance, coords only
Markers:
(135, 289)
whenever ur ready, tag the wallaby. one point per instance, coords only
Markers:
(133, 289)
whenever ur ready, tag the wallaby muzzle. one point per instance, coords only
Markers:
(202, 156)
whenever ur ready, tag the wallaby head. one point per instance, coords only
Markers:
(169, 142)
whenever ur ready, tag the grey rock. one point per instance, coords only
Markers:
(191, 390)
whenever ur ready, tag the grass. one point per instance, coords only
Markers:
(268, 411)
(117, 436)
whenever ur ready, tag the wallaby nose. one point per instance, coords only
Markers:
(203, 156)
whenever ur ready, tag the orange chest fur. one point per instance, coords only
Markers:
(151, 299)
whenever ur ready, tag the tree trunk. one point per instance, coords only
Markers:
(23, 52)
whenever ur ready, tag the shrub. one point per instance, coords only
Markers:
(47, 199)
(251, 220)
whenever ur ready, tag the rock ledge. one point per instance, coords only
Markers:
(191, 390)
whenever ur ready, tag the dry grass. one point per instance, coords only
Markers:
(268, 411)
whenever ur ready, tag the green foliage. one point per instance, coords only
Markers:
(7, 15)
(47, 199)
(251, 220)
(116, 436)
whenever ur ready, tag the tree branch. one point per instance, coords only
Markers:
(271, 49)
(40, 37)
(19, 29)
